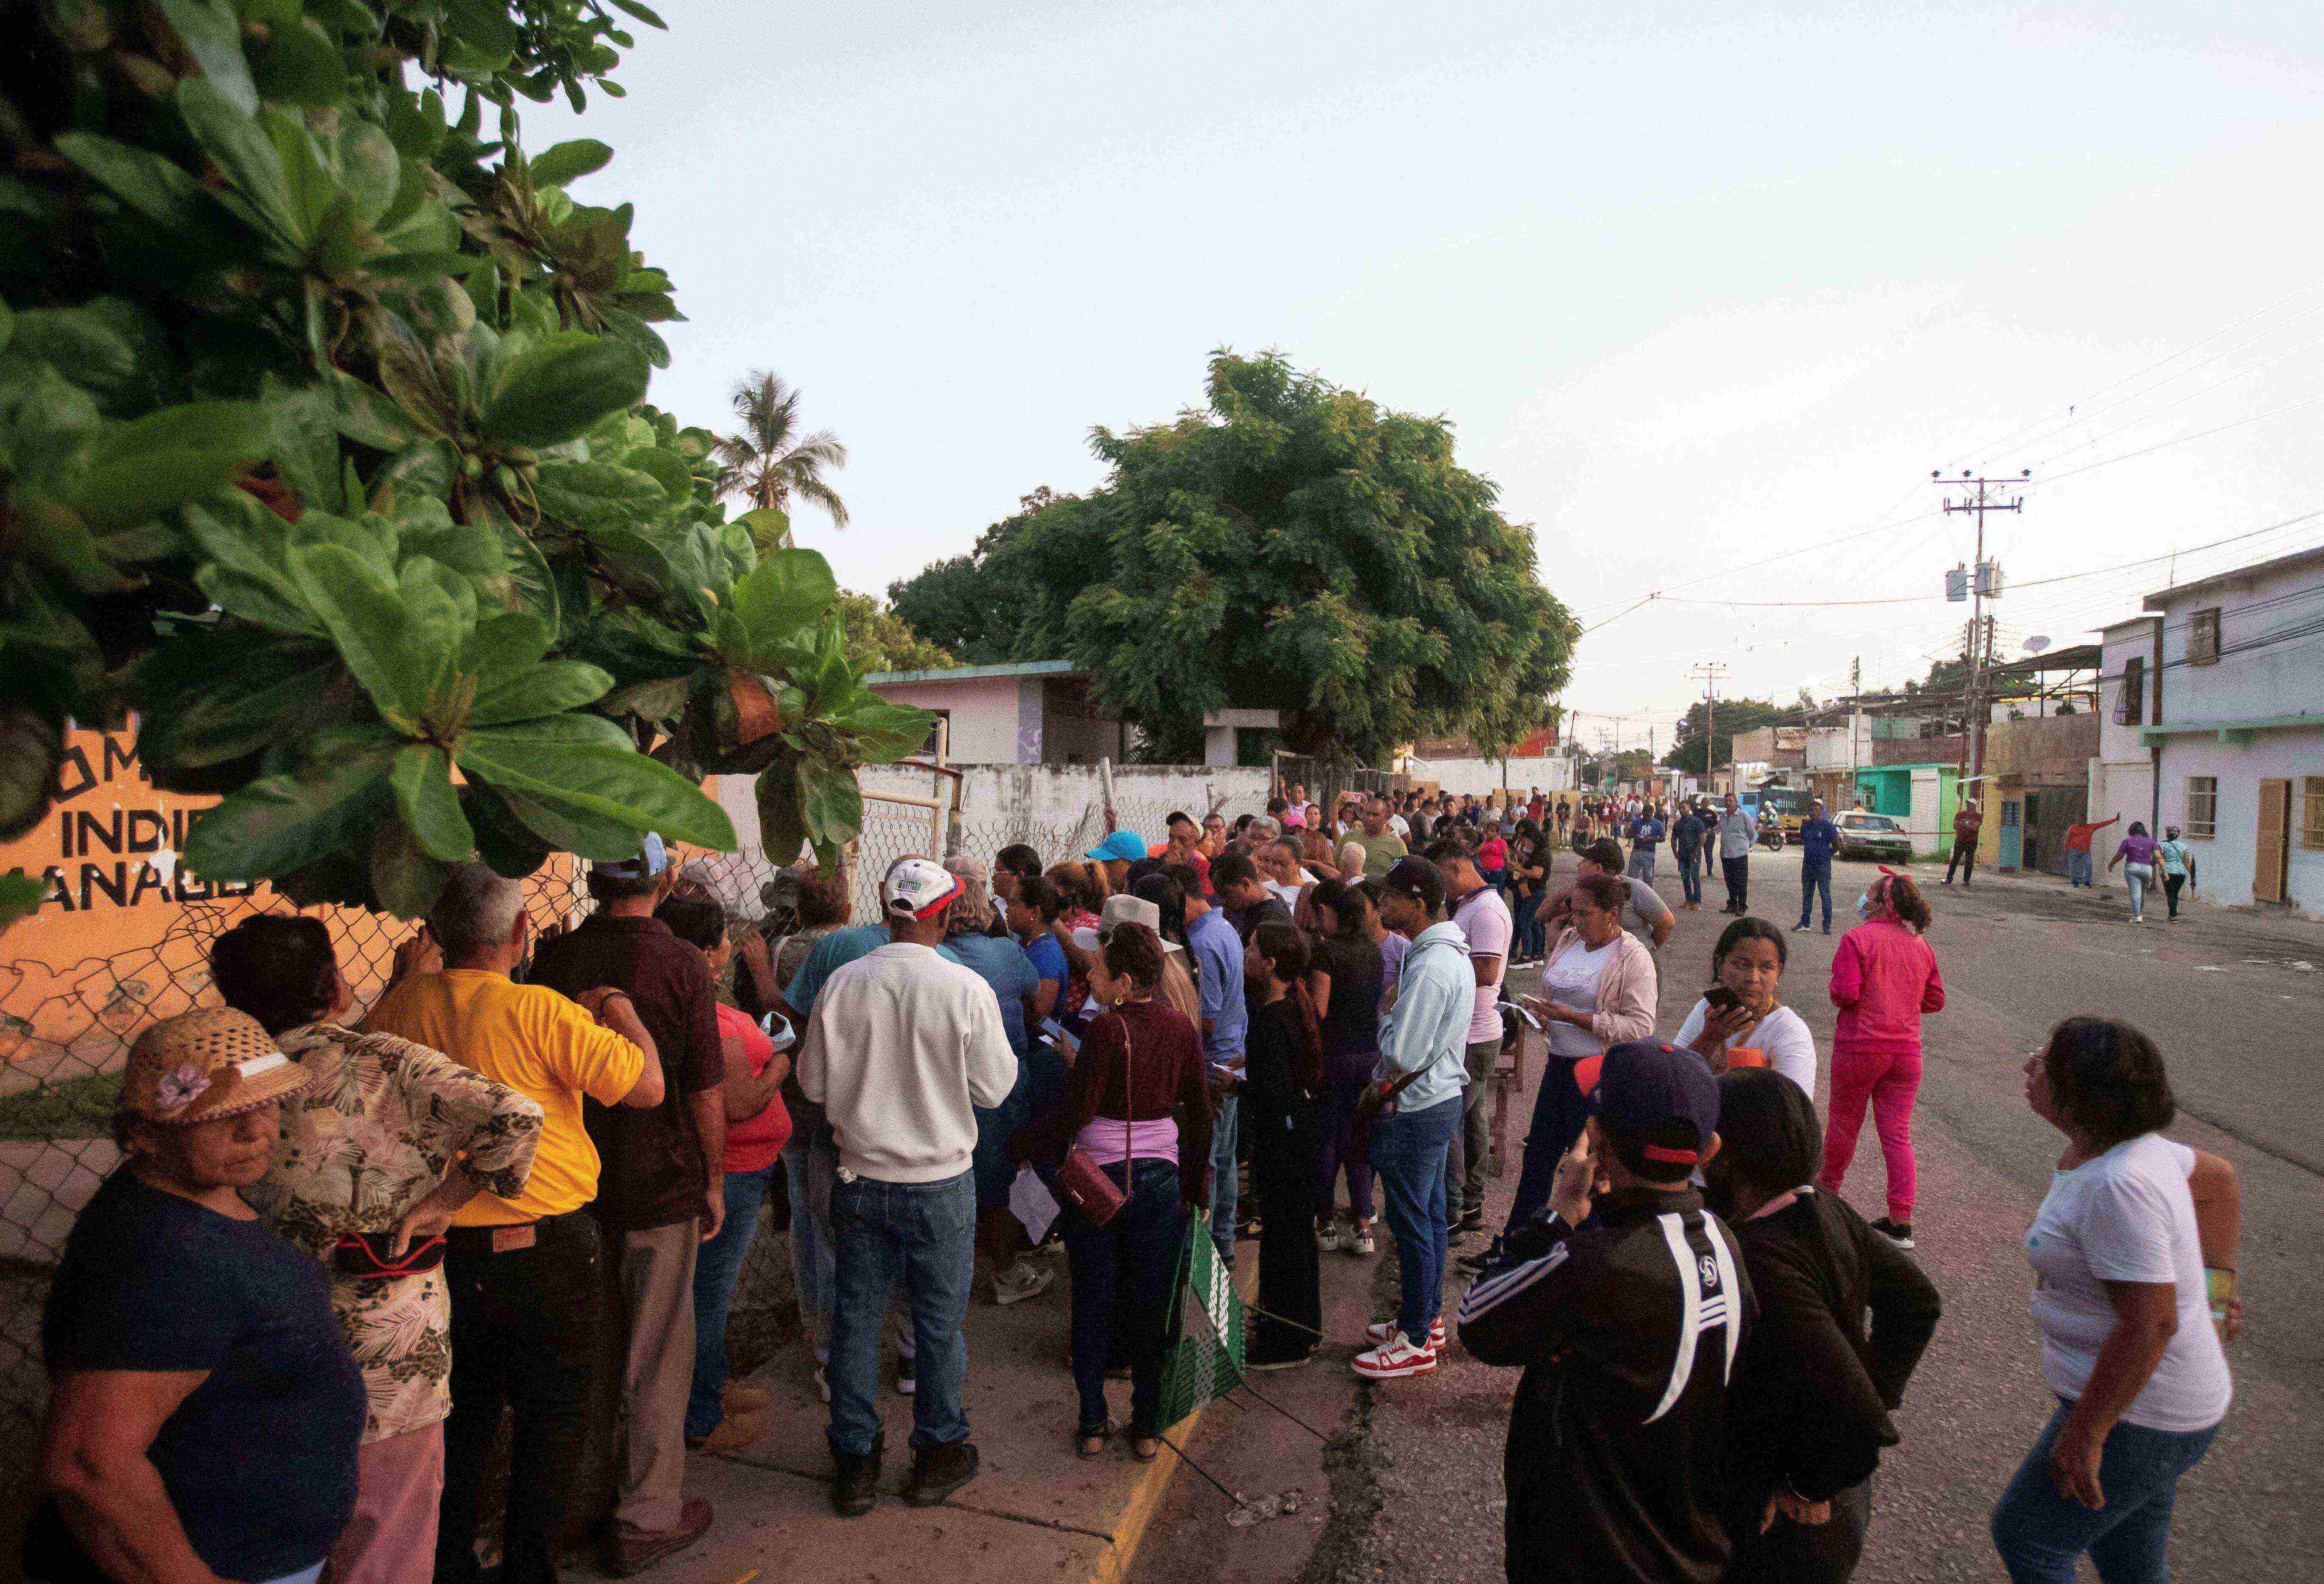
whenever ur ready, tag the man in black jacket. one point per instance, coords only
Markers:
(1628, 1318)
(1808, 1414)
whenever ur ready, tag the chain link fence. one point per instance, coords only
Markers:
(67, 1028)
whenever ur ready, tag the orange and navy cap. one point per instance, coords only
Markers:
(1657, 1093)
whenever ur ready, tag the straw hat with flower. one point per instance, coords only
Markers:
(202, 1065)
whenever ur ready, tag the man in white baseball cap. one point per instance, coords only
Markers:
(902, 1045)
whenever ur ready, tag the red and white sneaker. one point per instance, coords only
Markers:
(1385, 1332)
(1394, 1359)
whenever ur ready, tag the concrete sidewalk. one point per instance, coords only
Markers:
(1034, 1512)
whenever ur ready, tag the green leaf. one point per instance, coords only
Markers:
(32, 744)
(504, 841)
(89, 347)
(279, 823)
(786, 591)
(158, 189)
(767, 526)
(563, 761)
(782, 823)
(504, 644)
(831, 801)
(422, 780)
(885, 733)
(562, 387)
(301, 66)
(168, 458)
(405, 879)
(213, 36)
(20, 897)
(239, 146)
(641, 13)
(549, 688)
(590, 495)
(569, 162)
(380, 638)
(667, 468)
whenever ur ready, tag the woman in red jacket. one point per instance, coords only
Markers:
(1884, 977)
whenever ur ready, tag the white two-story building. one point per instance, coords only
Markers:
(2214, 722)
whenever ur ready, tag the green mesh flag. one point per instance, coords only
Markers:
(1207, 1359)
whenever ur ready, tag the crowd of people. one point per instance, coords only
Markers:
(526, 1185)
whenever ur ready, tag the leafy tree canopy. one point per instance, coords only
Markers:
(1290, 546)
(322, 447)
(1734, 716)
(876, 639)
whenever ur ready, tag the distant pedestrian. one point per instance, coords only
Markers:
(2178, 867)
(1884, 979)
(1484, 922)
(1967, 822)
(1688, 839)
(1347, 978)
(1818, 840)
(1646, 834)
(2139, 855)
(2134, 1252)
(1738, 833)
(2077, 850)
(1284, 1114)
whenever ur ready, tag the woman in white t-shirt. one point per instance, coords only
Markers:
(2131, 1248)
(1755, 1029)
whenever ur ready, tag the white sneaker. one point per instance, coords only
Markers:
(1394, 1359)
(1330, 1239)
(1386, 1331)
(1021, 1281)
(1362, 1243)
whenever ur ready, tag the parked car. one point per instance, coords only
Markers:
(1873, 836)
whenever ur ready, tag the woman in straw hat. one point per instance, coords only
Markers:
(205, 1411)
(388, 1141)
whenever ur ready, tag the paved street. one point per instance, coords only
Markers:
(1413, 1469)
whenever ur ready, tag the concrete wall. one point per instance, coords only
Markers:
(1480, 777)
(989, 715)
(2276, 678)
(2051, 752)
(2120, 743)
(2225, 863)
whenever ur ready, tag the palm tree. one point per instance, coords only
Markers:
(770, 463)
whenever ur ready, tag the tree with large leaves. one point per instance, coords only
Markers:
(771, 463)
(323, 448)
(1292, 545)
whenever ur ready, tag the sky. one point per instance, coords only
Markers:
(1697, 289)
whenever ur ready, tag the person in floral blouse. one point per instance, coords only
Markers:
(387, 1140)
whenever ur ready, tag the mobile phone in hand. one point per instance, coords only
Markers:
(1719, 998)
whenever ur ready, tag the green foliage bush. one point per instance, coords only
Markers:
(323, 447)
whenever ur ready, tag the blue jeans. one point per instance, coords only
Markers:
(2077, 866)
(1223, 1184)
(1690, 873)
(1530, 934)
(1339, 1126)
(1812, 876)
(926, 1233)
(2039, 1532)
(1408, 1153)
(1559, 1111)
(2141, 876)
(1642, 864)
(716, 1269)
(1123, 1272)
(811, 1167)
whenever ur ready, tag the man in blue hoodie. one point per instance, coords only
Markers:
(1819, 839)
(1423, 1037)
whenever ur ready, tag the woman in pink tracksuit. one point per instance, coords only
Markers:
(1884, 977)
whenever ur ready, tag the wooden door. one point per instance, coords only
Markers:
(2272, 851)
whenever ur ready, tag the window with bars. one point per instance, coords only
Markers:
(2203, 804)
(2311, 811)
(2130, 709)
(2203, 637)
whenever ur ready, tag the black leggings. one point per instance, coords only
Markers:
(2171, 884)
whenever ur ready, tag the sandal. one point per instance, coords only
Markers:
(1091, 1443)
(1145, 1445)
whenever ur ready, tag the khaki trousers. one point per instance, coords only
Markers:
(649, 1332)
(391, 1536)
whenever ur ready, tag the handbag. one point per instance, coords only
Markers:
(1081, 1182)
(1370, 1105)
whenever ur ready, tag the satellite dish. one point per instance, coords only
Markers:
(2034, 646)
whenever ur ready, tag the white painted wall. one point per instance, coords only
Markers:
(986, 714)
(2269, 679)
(1480, 777)
(2225, 864)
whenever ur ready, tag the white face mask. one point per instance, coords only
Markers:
(1864, 905)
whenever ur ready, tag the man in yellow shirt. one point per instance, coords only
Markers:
(524, 1297)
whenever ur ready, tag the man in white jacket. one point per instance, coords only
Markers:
(900, 1046)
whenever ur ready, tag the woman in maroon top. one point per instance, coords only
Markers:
(1138, 1103)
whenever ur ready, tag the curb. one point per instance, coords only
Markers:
(1129, 1530)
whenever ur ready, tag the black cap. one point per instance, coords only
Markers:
(1417, 878)
(1657, 1094)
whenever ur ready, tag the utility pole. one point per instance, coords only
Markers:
(1985, 584)
(1709, 671)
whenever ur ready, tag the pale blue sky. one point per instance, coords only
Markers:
(1695, 282)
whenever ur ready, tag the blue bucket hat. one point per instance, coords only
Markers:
(1127, 846)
